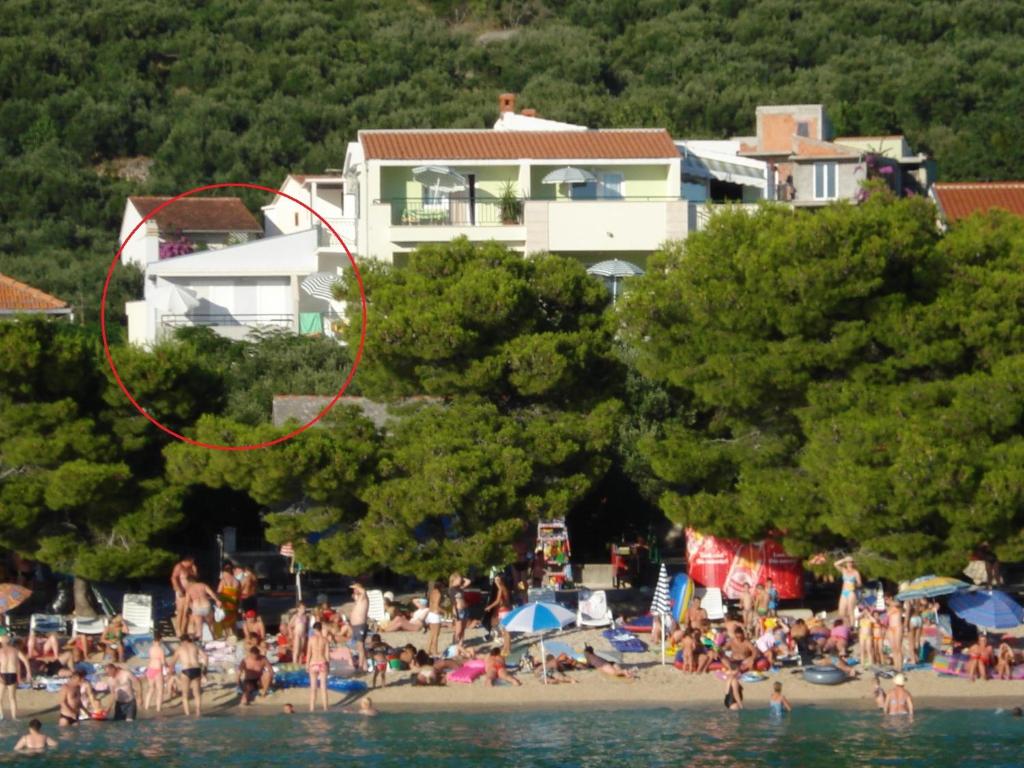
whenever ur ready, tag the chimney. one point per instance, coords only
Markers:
(529, 112)
(506, 103)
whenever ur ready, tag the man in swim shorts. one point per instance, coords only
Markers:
(126, 689)
(11, 660)
(248, 590)
(71, 700)
(254, 674)
(179, 583)
(192, 658)
(357, 618)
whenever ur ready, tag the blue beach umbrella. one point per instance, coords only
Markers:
(538, 617)
(988, 609)
(931, 586)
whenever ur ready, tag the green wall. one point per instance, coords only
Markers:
(398, 182)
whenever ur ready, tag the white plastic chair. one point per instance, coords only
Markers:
(45, 623)
(137, 612)
(712, 603)
(593, 610)
(94, 626)
(375, 611)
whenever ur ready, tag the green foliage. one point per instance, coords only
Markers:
(845, 378)
(246, 91)
(480, 319)
(77, 489)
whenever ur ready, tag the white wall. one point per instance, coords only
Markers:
(603, 225)
(144, 246)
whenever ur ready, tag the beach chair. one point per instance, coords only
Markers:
(137, 612)
(45, 623)
(593, 610)
(375, 612)
(712, 603)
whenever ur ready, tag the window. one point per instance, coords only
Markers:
(803, 128)
(611, 185)
(586, 191)
(825, 181)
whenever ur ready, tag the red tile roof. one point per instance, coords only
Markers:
(961, 199)
(635, 144)
(18, 297)
(199, 214)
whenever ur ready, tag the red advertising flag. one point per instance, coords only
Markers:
(728, 564)
(785, 571)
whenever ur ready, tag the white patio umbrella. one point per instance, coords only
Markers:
(569, 175)
(660, 605)
(319, 284)
(174, 299)
(538, 617)
(615, 270)
(440, 178)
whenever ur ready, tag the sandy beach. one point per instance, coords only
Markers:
(658, 686)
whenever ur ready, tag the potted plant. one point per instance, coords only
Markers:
(511, 205)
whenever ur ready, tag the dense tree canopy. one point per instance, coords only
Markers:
(846, 378)
(241, 90)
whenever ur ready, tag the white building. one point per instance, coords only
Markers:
(204, 222)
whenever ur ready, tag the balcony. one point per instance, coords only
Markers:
(609, 224)
(226, 324)
(346, 228)
(410, 221)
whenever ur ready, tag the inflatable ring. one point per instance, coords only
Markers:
(824, 675)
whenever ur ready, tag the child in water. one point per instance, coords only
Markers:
(778, 703)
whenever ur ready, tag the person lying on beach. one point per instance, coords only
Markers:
(397, 621)
(35, 740)
(1004, 662)
(428, 672)
(606, 667)
(48, 659)
(980, 659)
(494, 669)
(777, 702)
(554, 671)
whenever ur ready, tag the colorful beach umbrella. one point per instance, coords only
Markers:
(12, 595)
(538, 617)
(988, 609)
(930, 586)
(661, 605)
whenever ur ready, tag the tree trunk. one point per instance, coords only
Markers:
(83, 599)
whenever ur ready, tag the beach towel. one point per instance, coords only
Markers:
(641, 624)
(955, 665)
(624, 642)
(467, 673)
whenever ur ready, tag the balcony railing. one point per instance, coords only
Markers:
(227, 319)
(450, 213)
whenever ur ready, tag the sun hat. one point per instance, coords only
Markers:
(250, 614)
(389, 596)
(899, 680)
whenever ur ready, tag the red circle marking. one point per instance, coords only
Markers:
(215, 446)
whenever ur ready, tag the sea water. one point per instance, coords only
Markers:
(628, 737)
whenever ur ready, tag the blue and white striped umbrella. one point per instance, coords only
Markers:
(661, 605)
(538, 617)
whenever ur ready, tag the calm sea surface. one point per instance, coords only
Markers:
(649, 737)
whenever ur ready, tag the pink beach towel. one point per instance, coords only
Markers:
(467, 673)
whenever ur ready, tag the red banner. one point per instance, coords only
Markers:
(728, 564)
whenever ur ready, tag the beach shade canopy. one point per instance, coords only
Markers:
(930, 586)
(12, 595)
(439, 178)
(661, 605)
(175, 299)
(319, 284)
(538, 617)
(615, 268)
(987, 609)
(569, 175)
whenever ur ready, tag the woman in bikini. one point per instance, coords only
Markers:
(434, 617)
(851, 583)
(316, 664)
(155, 673)
(914, 629)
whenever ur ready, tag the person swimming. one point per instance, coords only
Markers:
(778, 703)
